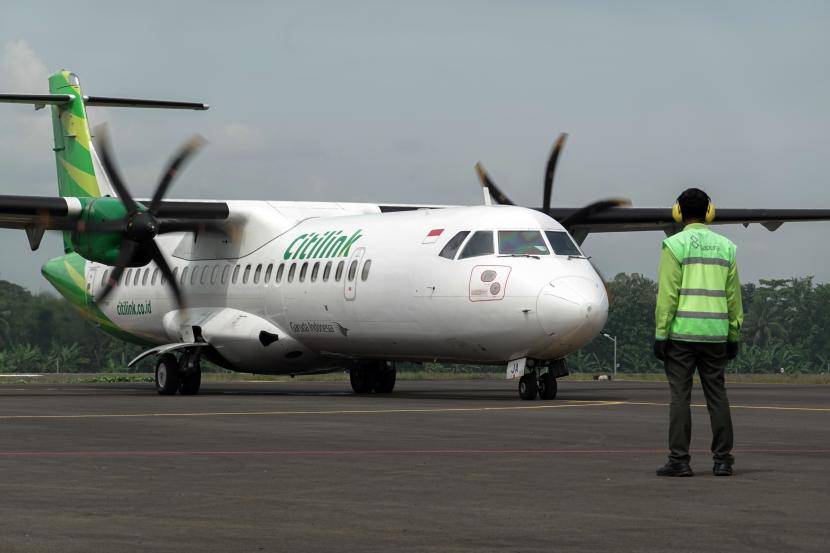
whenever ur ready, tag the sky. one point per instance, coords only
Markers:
(397, 101)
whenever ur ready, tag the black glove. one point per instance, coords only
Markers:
(732, 349)
(660, 349)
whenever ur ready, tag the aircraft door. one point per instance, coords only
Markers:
(351, 277)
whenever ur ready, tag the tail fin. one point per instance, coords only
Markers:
(79, 171)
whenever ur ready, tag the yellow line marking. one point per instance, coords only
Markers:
(760, 407)
(332, 412)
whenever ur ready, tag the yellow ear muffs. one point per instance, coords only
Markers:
(710, 213)
(677, 214)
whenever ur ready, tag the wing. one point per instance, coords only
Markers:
(37, 214)
(630, 219)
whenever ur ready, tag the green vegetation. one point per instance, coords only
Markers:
(787, 325)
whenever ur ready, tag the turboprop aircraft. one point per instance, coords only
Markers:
(278, 287)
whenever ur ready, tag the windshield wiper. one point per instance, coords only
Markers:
(520, 255)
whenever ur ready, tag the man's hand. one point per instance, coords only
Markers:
(732, 349)
(660, 349)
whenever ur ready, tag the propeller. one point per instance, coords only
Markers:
(141, 225)
(580, 216)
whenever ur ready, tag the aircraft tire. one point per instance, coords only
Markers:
(547, 386)
(386, 379)
(190, 382)
(528, 387)
(167, 374)
(363, 377)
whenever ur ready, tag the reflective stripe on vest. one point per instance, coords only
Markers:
(702, 314)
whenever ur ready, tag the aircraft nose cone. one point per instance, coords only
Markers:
(572, 309)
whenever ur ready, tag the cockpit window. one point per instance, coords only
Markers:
(481, 243)
(451, 248)
(561, 243)
(522, 242)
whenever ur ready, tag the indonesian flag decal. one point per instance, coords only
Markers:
(432, 236)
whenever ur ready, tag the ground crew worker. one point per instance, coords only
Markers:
(698, 321)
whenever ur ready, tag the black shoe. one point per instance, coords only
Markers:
(722, 469)
(675, 469)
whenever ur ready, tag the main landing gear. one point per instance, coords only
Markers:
(540, 379)
(173, 375)
(373, 376)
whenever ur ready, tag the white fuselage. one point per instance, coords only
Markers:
(284, 268)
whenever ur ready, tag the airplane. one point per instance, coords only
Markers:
(286, 287)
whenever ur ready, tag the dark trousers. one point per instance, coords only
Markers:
(710, 360)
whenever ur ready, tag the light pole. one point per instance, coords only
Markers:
(613, 339)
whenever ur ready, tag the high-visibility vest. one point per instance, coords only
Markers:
(705, 258)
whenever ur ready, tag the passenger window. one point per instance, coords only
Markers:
(155, 277)
(175, 275)
(291, 272)
(451, 248)
(314, 271)
(522, 242)
(184, 276)
(203, 279)
(137, 275)
(146, 275)
(194, 274)
(268, 272)
(246, 274)
(214, 274)
(280, 270)
(352, 270)
(257, 273)
(104, 277)
(481, 243)
(303, 271)
(327, 272)
(225, 272)
(235, 274)
(338, 274)
(364, 274)
(562, 243)
(127, 277)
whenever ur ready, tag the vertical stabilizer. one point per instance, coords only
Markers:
(79, 172)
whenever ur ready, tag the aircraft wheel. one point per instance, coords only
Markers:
(528, 387)
(167, 374)
(386, 379)
(363, 377)
(547, 386)
(191, 381)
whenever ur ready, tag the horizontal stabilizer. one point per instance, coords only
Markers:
(139, 103)
(42, 100)
(38, 100)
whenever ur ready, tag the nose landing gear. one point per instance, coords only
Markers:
(540, 379)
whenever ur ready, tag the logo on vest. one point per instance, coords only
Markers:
(695, 240)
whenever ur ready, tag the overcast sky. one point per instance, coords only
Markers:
(396, 101)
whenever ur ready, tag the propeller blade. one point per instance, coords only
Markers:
(185, 152)
(586, 213)
(551, 169)
(110, 166)
(125, 253)
(169, 277)
(486, 182)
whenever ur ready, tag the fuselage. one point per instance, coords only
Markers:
(334, 282)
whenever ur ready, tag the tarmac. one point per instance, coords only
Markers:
(461, 466)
